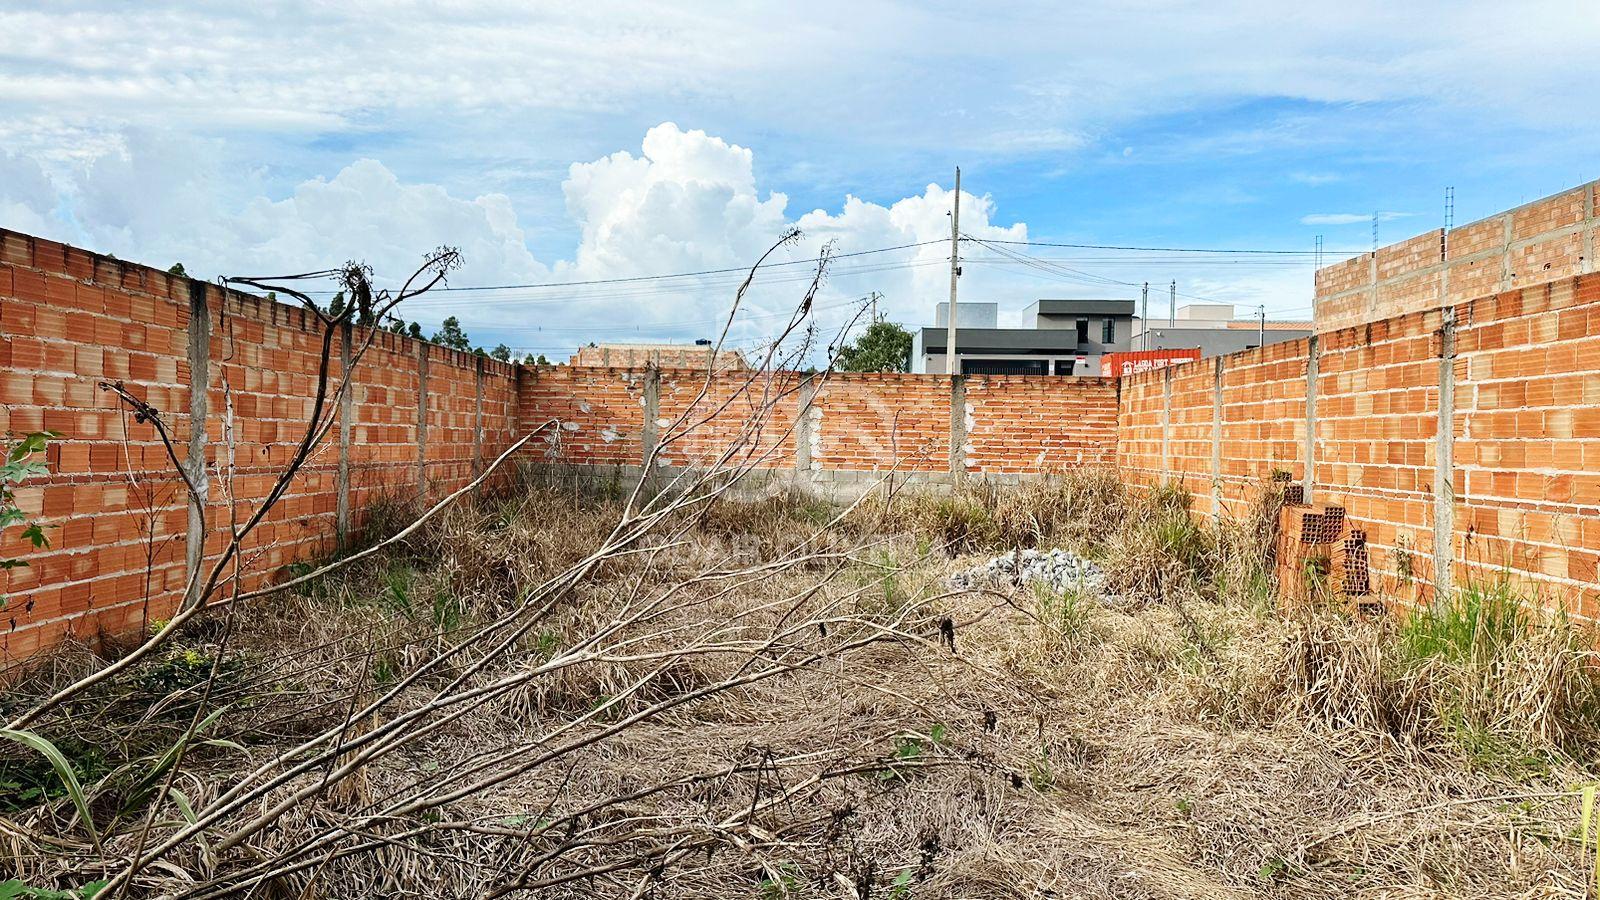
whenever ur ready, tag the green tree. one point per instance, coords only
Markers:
(336, 305)
(414, 331)
(177, 270)
(450, 334)
(501, 352)
(883, 347)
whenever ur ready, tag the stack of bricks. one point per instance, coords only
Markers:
(1321, 557)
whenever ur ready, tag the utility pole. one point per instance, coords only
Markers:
(1144, 319)
(1172, 305)
(1262, 340)
(875, 296)
(953, 364)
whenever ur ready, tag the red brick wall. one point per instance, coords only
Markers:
(1548, 240)
(117, 513)
(1526, 430)
(1018, 424)
(855, 422)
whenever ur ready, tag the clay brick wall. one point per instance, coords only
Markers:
(1548, 240)
(117, 512)
(1522, 461)
(1015, 424)
(1377, 423)
(862, 422)
(1527, 437)
(846, 422)
(1353, 413)
(1189, 444)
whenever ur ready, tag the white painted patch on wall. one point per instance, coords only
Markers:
(608, 435)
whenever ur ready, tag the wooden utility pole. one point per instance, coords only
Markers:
(952, 363)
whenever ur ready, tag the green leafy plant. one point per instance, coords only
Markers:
(1481, 619)
(16, 890)
(781, 882)
(63, 769)
(1040, 774)
(18, 466)
(900, 887)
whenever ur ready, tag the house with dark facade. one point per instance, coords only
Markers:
(1068, 337)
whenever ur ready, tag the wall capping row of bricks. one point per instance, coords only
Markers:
(1540, 241)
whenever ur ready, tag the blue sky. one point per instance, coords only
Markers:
(559, 143)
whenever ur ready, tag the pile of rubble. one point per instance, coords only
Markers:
(1056, 569)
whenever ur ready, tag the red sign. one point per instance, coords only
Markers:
(1132, 362)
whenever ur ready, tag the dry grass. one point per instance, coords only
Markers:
(1195, 743)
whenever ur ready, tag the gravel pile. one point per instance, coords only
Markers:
(1057, 569)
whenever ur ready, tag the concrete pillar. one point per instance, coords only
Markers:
(346, 407)
(1166, 423)
(1309, 440)
(1216, 438)
(1506, 275)
(1372, 292)
(199, 410)
(477, 416)
(1444, 491)
(651, 433)
(805, 396)
(1589, 224)
(958, 426)
(422, 420)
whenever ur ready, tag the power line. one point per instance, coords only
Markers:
(741, 270)
(1156, 249)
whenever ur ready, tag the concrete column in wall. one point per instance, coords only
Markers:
(1372, 292)
(1589, 225)
(346, 408)
(805, 396)
(1216, 438)
(1444, 490)
(651, 433)
(422, 420)
(477, 416)
(199, 349)
(1309, 439)
(958, 425)
(1506, 274)
(1166, 423)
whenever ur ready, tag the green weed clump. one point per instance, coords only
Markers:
(1488, 674)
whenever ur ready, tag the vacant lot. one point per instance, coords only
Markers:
(553, 691)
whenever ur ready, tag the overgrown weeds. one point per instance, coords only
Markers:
(1198, 742)
(1070, 509)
